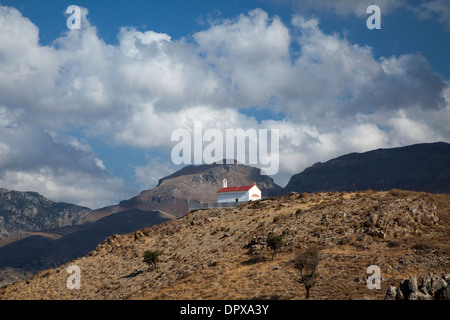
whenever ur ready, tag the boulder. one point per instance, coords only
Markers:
(407, 287)
(417, 295)
(432, 287)
(426, 285)
(391, 293)
(438, 284)
(443, 294)
(412, 284)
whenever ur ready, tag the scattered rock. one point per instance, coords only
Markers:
(391, 293)
(438, 284)
(433, 287)
(444, 294)
(417, 295)
(412, 284)
(293, 194)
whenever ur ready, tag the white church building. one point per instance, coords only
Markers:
(238, 194)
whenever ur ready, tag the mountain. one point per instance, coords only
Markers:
(223, 254)
(25, 212)
(192, 183)
(53, 247)
(420, 167)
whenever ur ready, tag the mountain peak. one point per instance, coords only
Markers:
(194, 169)
(198, 184)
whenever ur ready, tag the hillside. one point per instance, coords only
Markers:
(420, 167)
(47, 246)
(222, 253)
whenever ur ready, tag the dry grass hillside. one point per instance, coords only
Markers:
(222, 253)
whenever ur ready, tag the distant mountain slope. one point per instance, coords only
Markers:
(30, 212)
(54, 247)
(420, 167)
(193, 184)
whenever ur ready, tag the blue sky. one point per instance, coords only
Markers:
(86, 115)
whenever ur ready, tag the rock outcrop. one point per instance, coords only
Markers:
(431, 287)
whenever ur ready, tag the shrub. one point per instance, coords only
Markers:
(274, 243)
(151, 257)
(424, 246)
(394, 243)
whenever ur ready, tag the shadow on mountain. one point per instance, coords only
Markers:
(420, 167)
(36, 253)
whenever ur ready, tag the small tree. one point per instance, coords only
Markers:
(151, 257)
(307, 263)
(274, 243)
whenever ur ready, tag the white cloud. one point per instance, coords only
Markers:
(99, 163)
(250, 53)
(148, 175)
(433, 9)
(407, 131)
(60, 167)
(26, 67)
(80, 188)
(423, 10)
(346, 8)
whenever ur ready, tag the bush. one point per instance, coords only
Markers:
(151, 257)
(424, 246)
(274, 243)
(394, 243)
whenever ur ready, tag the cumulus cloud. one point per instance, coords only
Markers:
(69, 186)
(335, 95)
(250, 52)
(26, 67)
(148, 175)
(59, 167)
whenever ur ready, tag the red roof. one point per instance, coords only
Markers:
(235, 189)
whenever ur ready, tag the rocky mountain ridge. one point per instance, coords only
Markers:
(25, 212)
(420, 167)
